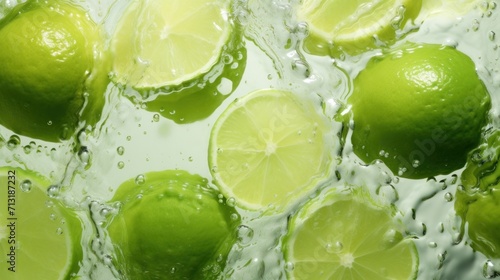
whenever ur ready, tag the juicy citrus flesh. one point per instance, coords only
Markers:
(355, 25)
(171, 227)
(162, 43)
(39, 238)
(346, 236)
(420, 109)
(477, 200)
(267, 148)
(47, 55)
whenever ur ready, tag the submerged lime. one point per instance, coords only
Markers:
(48, 59)
(171, 226)
(420, 109)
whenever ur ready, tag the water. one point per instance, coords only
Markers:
(130, 141)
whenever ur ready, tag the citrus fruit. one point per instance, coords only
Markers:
(166, 43)
(477, 200)
(420, 109)
(39, 237)
(354, 26)
(170, 226)
(343, 235)
(47, 72)
(267, 148)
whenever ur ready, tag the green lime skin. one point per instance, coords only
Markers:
(172, 226)
(49, 59)
(478, 198)
(420, 109)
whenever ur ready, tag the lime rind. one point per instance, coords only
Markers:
(265, 132)
(354, 239)
(137, 40)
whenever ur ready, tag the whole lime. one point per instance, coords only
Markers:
(48, 60)
(478, 199)
(420, 109)
(171, 226)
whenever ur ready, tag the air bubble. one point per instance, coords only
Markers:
(13, 142)
(491, 36)
(489, 271)
(59, 231)
(53, 191)
(448, 196)
(26, 186)
(432, 244)
(120, 150)
(245, 234)
(289, 266)
(475, 25)
(140, 179)
(121, 164)
(231, 202)
(415, 163)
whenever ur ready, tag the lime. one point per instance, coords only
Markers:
(47, 71)
(269, 147)
(166, 43)
(420, 109)
(344, 235)
(354, 26)
(477, 201)
(171, 226)
(39, 237)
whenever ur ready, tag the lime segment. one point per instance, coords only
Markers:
(355, 25)
(267, 148)
(39, 238)
(163, 43)
(346, 236)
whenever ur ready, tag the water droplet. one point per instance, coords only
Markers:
(121, 164)
(245, 234)
(120, 150)
(156, 118)
(234, 217)
(432, 244)
(140, 179)
(84, 155)
(172, 112)
(129, 138)
(53, 191)
(448, 196)
(26, 185)
(289, 266)
(52, 217)
(59, 231)
(49, 123)
(190, 159)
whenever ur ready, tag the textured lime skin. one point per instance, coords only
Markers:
(171, 227)
(478, 199)
(419, 109)
(48, 63)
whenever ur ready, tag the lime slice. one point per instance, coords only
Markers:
(39, 238)
(346, 236)
(268, 148)
(354, 25)
(163, 43)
